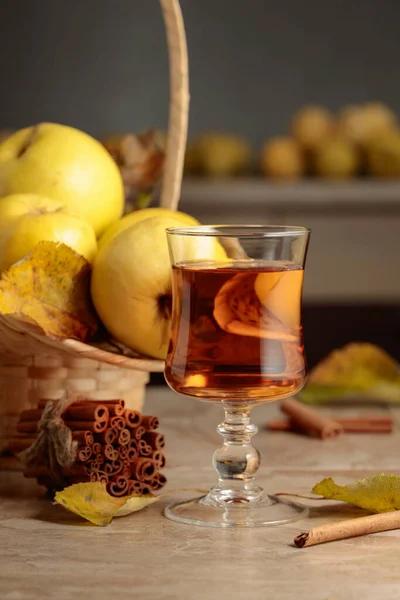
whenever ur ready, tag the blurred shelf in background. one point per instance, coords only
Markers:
(306, 195)
(354, 252)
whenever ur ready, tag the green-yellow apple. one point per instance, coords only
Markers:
(65, 164)
(139, 215)
(131, 283)
(26, 219)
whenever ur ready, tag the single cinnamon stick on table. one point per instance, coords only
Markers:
(350, 425)
(310, 420)
(347, 529)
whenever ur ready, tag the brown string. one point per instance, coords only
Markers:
(54, 446)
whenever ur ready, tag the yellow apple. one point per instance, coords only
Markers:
(139, 215)
(26, 219)
(65, 164)
(131, 283)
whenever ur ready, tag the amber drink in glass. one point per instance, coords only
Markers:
(237, 340)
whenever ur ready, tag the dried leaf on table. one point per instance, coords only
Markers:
(359, 370)
(50, 288)
(378, 493)
(92, 502)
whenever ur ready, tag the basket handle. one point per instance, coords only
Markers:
(178, 104)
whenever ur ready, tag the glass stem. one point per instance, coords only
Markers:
(237, 461)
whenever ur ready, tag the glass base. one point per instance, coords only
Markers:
(267, 511)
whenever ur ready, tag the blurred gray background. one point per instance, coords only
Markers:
(101, 65)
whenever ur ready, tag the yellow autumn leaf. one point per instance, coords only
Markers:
(356, 365)
(92, 502)
(135, 503)
(378, 493)
(50, 288)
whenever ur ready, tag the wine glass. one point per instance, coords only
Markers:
(236, 340)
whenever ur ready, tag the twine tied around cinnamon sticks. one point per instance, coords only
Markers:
(54, 446)
(104, 442)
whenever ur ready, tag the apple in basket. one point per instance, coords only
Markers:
(26, 219)
(131, 282)
(67, 165)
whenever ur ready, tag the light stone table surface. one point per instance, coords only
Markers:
(46, 552)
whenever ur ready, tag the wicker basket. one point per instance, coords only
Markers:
(33, 366)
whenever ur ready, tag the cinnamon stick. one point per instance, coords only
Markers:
(84, 453)
(135, 487)
(144, 448)
(93, 426)
(108, 436)
(118, 422)
(132, 417)
(123, 452)
(349, 528)
(111, 453)
(100, 476)
(119, 486)
(145, 489)
(27, 426)
(124, 437)
(150, 423)
(133, 451)
(310, 420)
(113, 468)
(116, 408)
(143, 469)
(158, 481)
(83, 437)
(350, 425)
(126, 469)
(156, 440)
(31, 414)
(87, 412)
(97, 448)
(159, 459)
(138, 432)
(100, 458)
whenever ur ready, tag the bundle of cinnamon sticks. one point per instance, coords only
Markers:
(115, 445)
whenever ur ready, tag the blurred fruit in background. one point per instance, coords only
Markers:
(383, 155)
(361, 124)
(360, 140)
(311, 126)
(217, 154)
(282, 158)
(336, 158)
